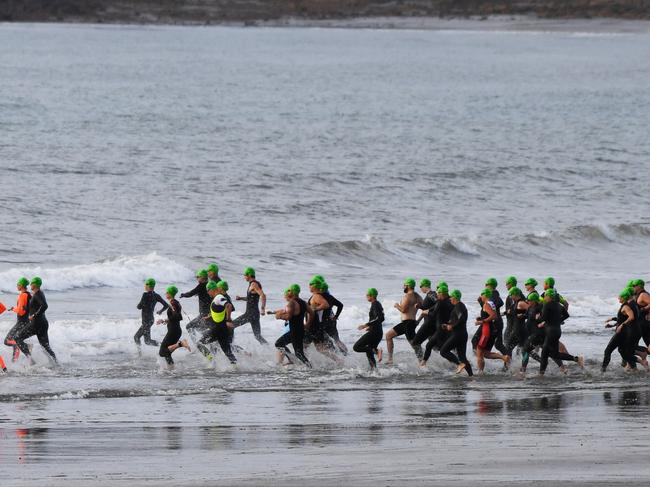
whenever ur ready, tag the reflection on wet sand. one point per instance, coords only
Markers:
(344, 429)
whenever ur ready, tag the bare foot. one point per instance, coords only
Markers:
(460, 368)
(380, 354)
(422, 364)
(581, 361)
(506, 362)
(186, 345)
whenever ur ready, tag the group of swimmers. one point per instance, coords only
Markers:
(533, 322)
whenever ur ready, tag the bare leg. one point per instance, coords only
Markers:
(480, 360)
(390, 334)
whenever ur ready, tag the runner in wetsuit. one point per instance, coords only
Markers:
(369, 342)
(220, 322)
(441, 315)
(254, 295)
(553, 315)
(457, 338)
(497, 331)
(643, 303)
(294, 314)
(22, 317)
(516, 316)
(427, 316)
(627, 331)
(38, 324)
(511, 282)
(331, 319)
(486, 323)
(319, 308)
(407, 307)
(200, 323)
(147, 304)
(172, 340)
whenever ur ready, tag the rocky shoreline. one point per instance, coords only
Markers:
(290, 12)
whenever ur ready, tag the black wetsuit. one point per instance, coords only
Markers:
(553, 315)
(217, 332)
(429, 323)
(644, 320)
(148, 304)
(37, 326)
(516, 331)
(457, 338)
(370, 340)
(22, 321)
(174, 332)
(510, 322)
(296, 334)
(626, 339)
(535, 335)
(252, 313)
(442, 315)
(330, 320)
(199, 323)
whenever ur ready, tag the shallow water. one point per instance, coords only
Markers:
(363, 155)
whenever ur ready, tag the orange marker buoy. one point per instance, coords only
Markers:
(3, 308)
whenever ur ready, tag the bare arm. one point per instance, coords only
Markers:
(258, 289)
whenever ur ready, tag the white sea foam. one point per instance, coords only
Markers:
(123, 271)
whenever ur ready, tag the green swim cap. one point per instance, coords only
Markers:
(223, 285)
(511, 280)
(550, 293)
(456, 294)
(442, 283)
(487, 293)
(295, 289)
(530, 282)
(202, 273)
(425, 282)
(442, 290)
(324, 287)
(409, 282)
(23, 281)
(372, 292)
(626, 293)
(172, 290)
(319, 277)
(213, 268)
(491, 282)
(638, 282)
(37, 281)
(550, 282)
(151, 282)
(316, 281)
(249, 271)
(515, 291)
(533, 297)
(211, 285)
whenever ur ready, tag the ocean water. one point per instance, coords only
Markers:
(364, 155)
